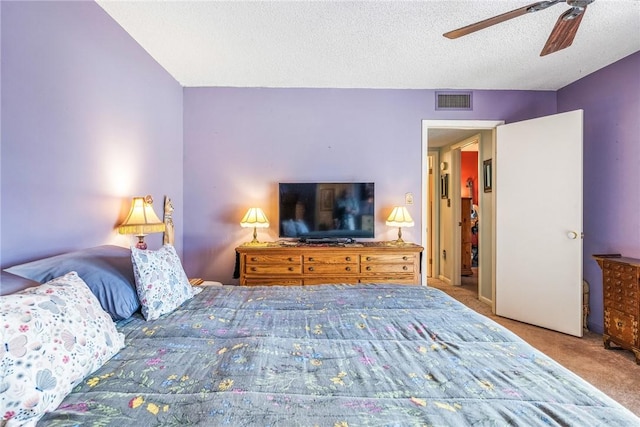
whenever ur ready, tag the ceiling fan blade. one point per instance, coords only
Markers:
(472, 28)
(564, 31)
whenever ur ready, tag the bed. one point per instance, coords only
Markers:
(329, 355)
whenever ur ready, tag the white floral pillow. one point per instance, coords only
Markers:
(161, 282)
(53, 336)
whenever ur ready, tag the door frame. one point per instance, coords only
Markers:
(487, 262)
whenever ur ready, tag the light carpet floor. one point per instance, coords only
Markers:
(612, 371)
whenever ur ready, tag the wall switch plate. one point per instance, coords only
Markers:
(408, 199)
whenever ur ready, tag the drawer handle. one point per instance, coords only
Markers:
(310, 268)
(368, 258)
(253, 269)
(405, 258)
(254, 258)
(290, 259)
(368, 268)
(348, 258)
(348, 268)
(310, 258)
(404, 267)
(620, 324)
(290, 268)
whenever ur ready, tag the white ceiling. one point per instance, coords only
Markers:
(372, 44)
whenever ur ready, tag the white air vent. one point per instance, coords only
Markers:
(453, 101)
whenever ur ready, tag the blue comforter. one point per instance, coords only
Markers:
(331, 355)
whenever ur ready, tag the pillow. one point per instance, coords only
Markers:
(107, 270)
(54, 335)
(161, 282)
(12, 283)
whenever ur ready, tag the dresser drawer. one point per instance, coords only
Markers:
(330, 259)
(271, 282)
(324, 280)
(311, 268)
(272, 259)
(620, 296)
(622, 327)
(273, 269)
(387, 258)
(387, 268)
(397, 279)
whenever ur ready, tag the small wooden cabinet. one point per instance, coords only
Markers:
(621, 298)
(303, 264)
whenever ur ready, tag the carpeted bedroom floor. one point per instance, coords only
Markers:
(612, 371)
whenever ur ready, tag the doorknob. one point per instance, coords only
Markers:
(572, 235)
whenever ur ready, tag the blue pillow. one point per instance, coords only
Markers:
(12, 283)
(107, 270)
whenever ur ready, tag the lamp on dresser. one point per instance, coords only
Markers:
(255, 218)
(141, 220)
(399, 217)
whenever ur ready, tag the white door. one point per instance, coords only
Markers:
(538, 190)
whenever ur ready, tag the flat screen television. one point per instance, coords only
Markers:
(326, 210)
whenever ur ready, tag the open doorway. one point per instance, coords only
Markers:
(470, 173)
(439, 143)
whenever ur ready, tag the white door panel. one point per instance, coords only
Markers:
(538, 190)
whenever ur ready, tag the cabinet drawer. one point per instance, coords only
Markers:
(387, 258)
(620, 296)
(271, 282)
(622, 326)
(610, 267)
(350, 280)
(387, 268)
(272, 259)
(331, 259)
(331, 268)
(273, 269)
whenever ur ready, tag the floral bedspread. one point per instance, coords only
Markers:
(330, 355)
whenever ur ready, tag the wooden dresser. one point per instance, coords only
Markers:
(303, 264)
(621, 297)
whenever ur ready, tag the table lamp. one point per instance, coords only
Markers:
(142, 220)
(255, 218)
(400, 218)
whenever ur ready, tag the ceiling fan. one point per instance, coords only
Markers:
(562, 34)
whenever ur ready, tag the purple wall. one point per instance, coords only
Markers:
(89, 120)
(610, 99)
(240, 142)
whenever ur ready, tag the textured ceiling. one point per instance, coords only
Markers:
(372, 44)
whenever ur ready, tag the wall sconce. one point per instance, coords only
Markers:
(142, 220)
(255, 218)
(400, 218)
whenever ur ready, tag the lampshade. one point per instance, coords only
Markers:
(141, 220)
(255, 218)
(400, 217)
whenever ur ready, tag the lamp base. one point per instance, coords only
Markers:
(256, 244)
(398, 241)
(255, 241)
(141, 243)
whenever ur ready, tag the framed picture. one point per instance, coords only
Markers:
(327, 195)
(487, 175)
(444, 186)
